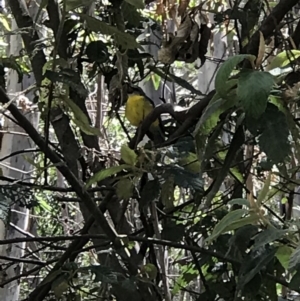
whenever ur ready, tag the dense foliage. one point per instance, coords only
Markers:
(195, 217)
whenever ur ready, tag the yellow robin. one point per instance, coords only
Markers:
(137, 107)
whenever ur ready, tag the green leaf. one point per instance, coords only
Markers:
(103, 274)
(131, 14)
(225, 72)
(4, 21)
(150, 192)
(97, 51)
(283, 255)
(190, 162)
(239, 176)
(294, 259)
(150, 270)
(12, 63)
(136, 3)
(248, 220)
(254, 88)
(73, 4)
(264, 192)
(295, 282)
(173, 232)
(105, 173)
(156, 79)
(284, 58)
(68, 77)
(128, 155)
(81, 120)
(274, 138)
(60, 285)
(183, 178)
(44, 204)
(188, 274)
(253, 264)
(269, 235)
(242, 238)
(226, 221)
(124, 189)
(241, 202)
(210, 116)
(126, 40)
(129, 284)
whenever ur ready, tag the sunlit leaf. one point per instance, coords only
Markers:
(284, 58)
(81, 119)
(294, 259)
(264, 192)
(283, 255)
(156, 79)
(4, 22)
(105, 173)
(128, 155)
(44, 204)
(239, 176)
(226, 221)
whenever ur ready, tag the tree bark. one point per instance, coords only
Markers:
(16, 167)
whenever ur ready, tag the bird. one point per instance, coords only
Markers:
(138, 106)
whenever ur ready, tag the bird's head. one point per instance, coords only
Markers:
(134, 90)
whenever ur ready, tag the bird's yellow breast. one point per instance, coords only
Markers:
(137, 108)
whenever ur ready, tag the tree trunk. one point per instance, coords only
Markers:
(15, 139)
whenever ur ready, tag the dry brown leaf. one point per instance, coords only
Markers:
(183, 4)
(185, 28)
(173, 12)
(166, 55)
(261, 50)
(160, 9)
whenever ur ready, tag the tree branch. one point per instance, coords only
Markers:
(161, 242)
(64, 170)
(24, 21)
(270, 23)
(188, 118)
